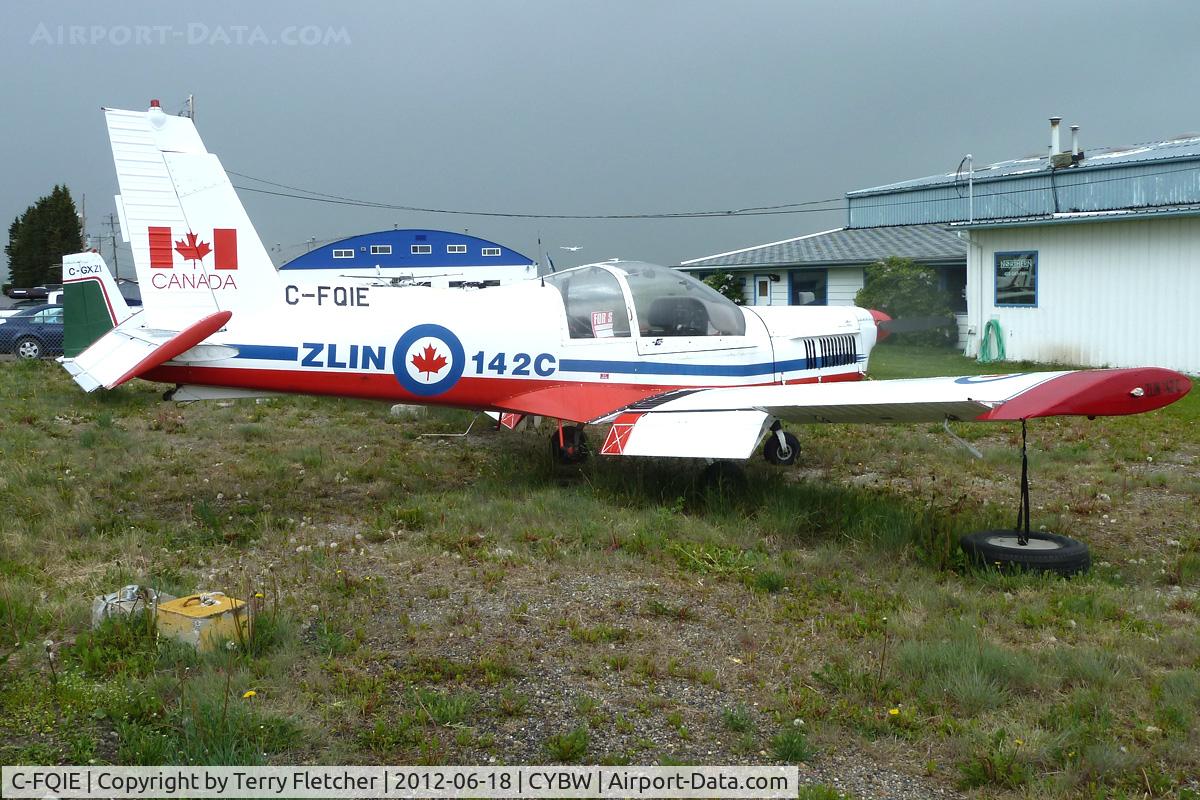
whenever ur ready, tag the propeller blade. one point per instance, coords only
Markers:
(913, 324)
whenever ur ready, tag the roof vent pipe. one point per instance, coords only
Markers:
(1075, 141)
(1054, 144)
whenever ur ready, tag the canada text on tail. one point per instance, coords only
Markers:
(198, 258)
(194, 248)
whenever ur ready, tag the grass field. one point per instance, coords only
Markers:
(462, 600)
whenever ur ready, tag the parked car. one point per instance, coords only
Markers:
(55, 298)
(33, 332)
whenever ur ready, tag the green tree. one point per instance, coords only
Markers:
(728, 284)
(39, 238)
(907, 291)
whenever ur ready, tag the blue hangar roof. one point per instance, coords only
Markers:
(409, 248)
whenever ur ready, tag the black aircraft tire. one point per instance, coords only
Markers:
(775, 455)
(1045, 552)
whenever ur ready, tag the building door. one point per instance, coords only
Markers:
(762, 290)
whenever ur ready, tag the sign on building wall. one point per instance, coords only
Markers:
(1016, 278)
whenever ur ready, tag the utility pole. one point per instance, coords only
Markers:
(112, 232)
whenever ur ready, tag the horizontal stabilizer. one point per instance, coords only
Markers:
(128, 351)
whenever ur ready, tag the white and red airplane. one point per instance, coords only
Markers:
(673, 367)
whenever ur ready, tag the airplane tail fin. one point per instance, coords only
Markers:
(92, 302)
(194, 247)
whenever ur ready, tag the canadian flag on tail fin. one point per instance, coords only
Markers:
(164, 246)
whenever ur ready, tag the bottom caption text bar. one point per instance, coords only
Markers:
(367, 782)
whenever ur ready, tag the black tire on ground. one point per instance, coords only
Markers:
(1045, 552)
(783, 456)
(28, 347)
(572, 449)
(723, 477)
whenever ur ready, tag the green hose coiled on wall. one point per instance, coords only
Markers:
(991, 346)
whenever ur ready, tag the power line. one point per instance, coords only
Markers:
(324, 197)
(805, 207)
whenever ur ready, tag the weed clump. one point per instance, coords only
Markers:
(570, 747)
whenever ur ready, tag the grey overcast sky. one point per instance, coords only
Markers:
(564, 107)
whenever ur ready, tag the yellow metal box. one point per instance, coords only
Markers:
(205, 621)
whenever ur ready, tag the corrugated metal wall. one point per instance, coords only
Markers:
(1095, 189)
(1114, 293)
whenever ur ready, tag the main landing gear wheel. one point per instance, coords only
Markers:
(1041, 551)
(782, 453)
(1020, 548)
(568, 445)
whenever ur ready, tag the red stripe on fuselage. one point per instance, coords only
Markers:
(575, 401)
(587, 400)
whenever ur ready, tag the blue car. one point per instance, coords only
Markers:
(33, 332)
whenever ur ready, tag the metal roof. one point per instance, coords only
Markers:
(1190, 210)
(1186, 146)
(922, 243)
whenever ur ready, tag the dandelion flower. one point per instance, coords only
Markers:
(259, 595)
(895, 712)
(249, 693)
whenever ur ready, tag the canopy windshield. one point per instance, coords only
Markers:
(672, 303)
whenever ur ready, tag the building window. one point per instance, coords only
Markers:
(456, 248)
(808, 287)
(343, 254)
(1016, 279)
(491, 251)
(421, 249)
(381, 249)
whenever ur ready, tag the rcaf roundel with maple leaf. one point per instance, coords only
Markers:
(428, 360)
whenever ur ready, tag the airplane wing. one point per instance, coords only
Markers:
(129, 350)
(728, 422)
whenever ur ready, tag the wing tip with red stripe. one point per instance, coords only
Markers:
(1096, 393)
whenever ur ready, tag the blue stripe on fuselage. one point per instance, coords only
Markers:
(264, 352)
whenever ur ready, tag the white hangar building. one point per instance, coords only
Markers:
(1087, 257)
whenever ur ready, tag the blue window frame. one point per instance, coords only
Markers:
(1016, 278)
